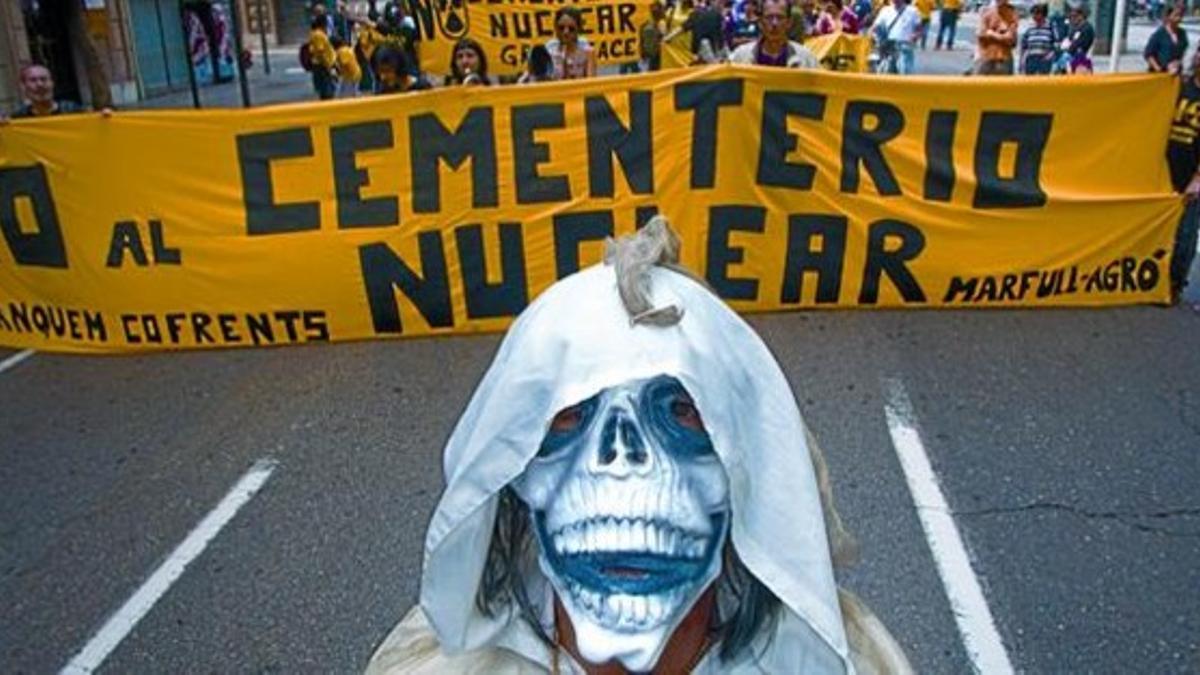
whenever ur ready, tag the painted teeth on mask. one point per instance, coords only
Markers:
(626, 612)
(622, 535)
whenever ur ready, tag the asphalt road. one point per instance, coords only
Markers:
(1066, 443)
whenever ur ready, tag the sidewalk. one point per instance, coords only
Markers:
(287, 83)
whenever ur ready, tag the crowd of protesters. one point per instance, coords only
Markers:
(378, 53)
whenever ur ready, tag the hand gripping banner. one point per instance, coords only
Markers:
(444, 212)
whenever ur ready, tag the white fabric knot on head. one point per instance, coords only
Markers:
(633, 255)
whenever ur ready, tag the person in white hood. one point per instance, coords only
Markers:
(631, 489)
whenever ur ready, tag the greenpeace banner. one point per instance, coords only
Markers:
(445, 212)
(508, 29)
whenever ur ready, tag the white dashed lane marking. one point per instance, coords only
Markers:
(120, 624)
(975, 624)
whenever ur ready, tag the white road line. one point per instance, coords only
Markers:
(15, 359)
(120, 624)
(980, 638)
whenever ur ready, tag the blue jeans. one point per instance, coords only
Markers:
(323, 83)
(947, 25)
(905, 58)
(1185, 244)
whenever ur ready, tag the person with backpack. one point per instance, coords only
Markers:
(896, 30)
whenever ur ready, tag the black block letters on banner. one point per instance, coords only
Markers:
(255, 154)
(43, 248)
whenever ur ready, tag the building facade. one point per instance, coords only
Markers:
(135, 49)
(83, 43)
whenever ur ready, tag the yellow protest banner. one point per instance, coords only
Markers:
(445, 212)
(508, 29)
(844, 52)
(677, 52)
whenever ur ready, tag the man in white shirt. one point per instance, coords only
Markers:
(896, 29)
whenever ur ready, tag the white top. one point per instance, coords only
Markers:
(905, 29)
(799, 56)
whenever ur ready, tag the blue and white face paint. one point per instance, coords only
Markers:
(630, 507)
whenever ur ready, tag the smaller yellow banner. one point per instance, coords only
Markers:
(508, 29)
(841, 51)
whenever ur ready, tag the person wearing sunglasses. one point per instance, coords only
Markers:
(572, 54)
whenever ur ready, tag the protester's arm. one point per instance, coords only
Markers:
(987, 27)
(1009, 35)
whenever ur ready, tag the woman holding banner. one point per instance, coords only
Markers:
(572, 55)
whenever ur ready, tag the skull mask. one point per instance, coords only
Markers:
(630, 508)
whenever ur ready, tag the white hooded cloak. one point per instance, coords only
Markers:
(573, 341)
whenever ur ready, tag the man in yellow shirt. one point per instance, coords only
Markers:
(948, 23)
(925, 10)
(322, 59)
